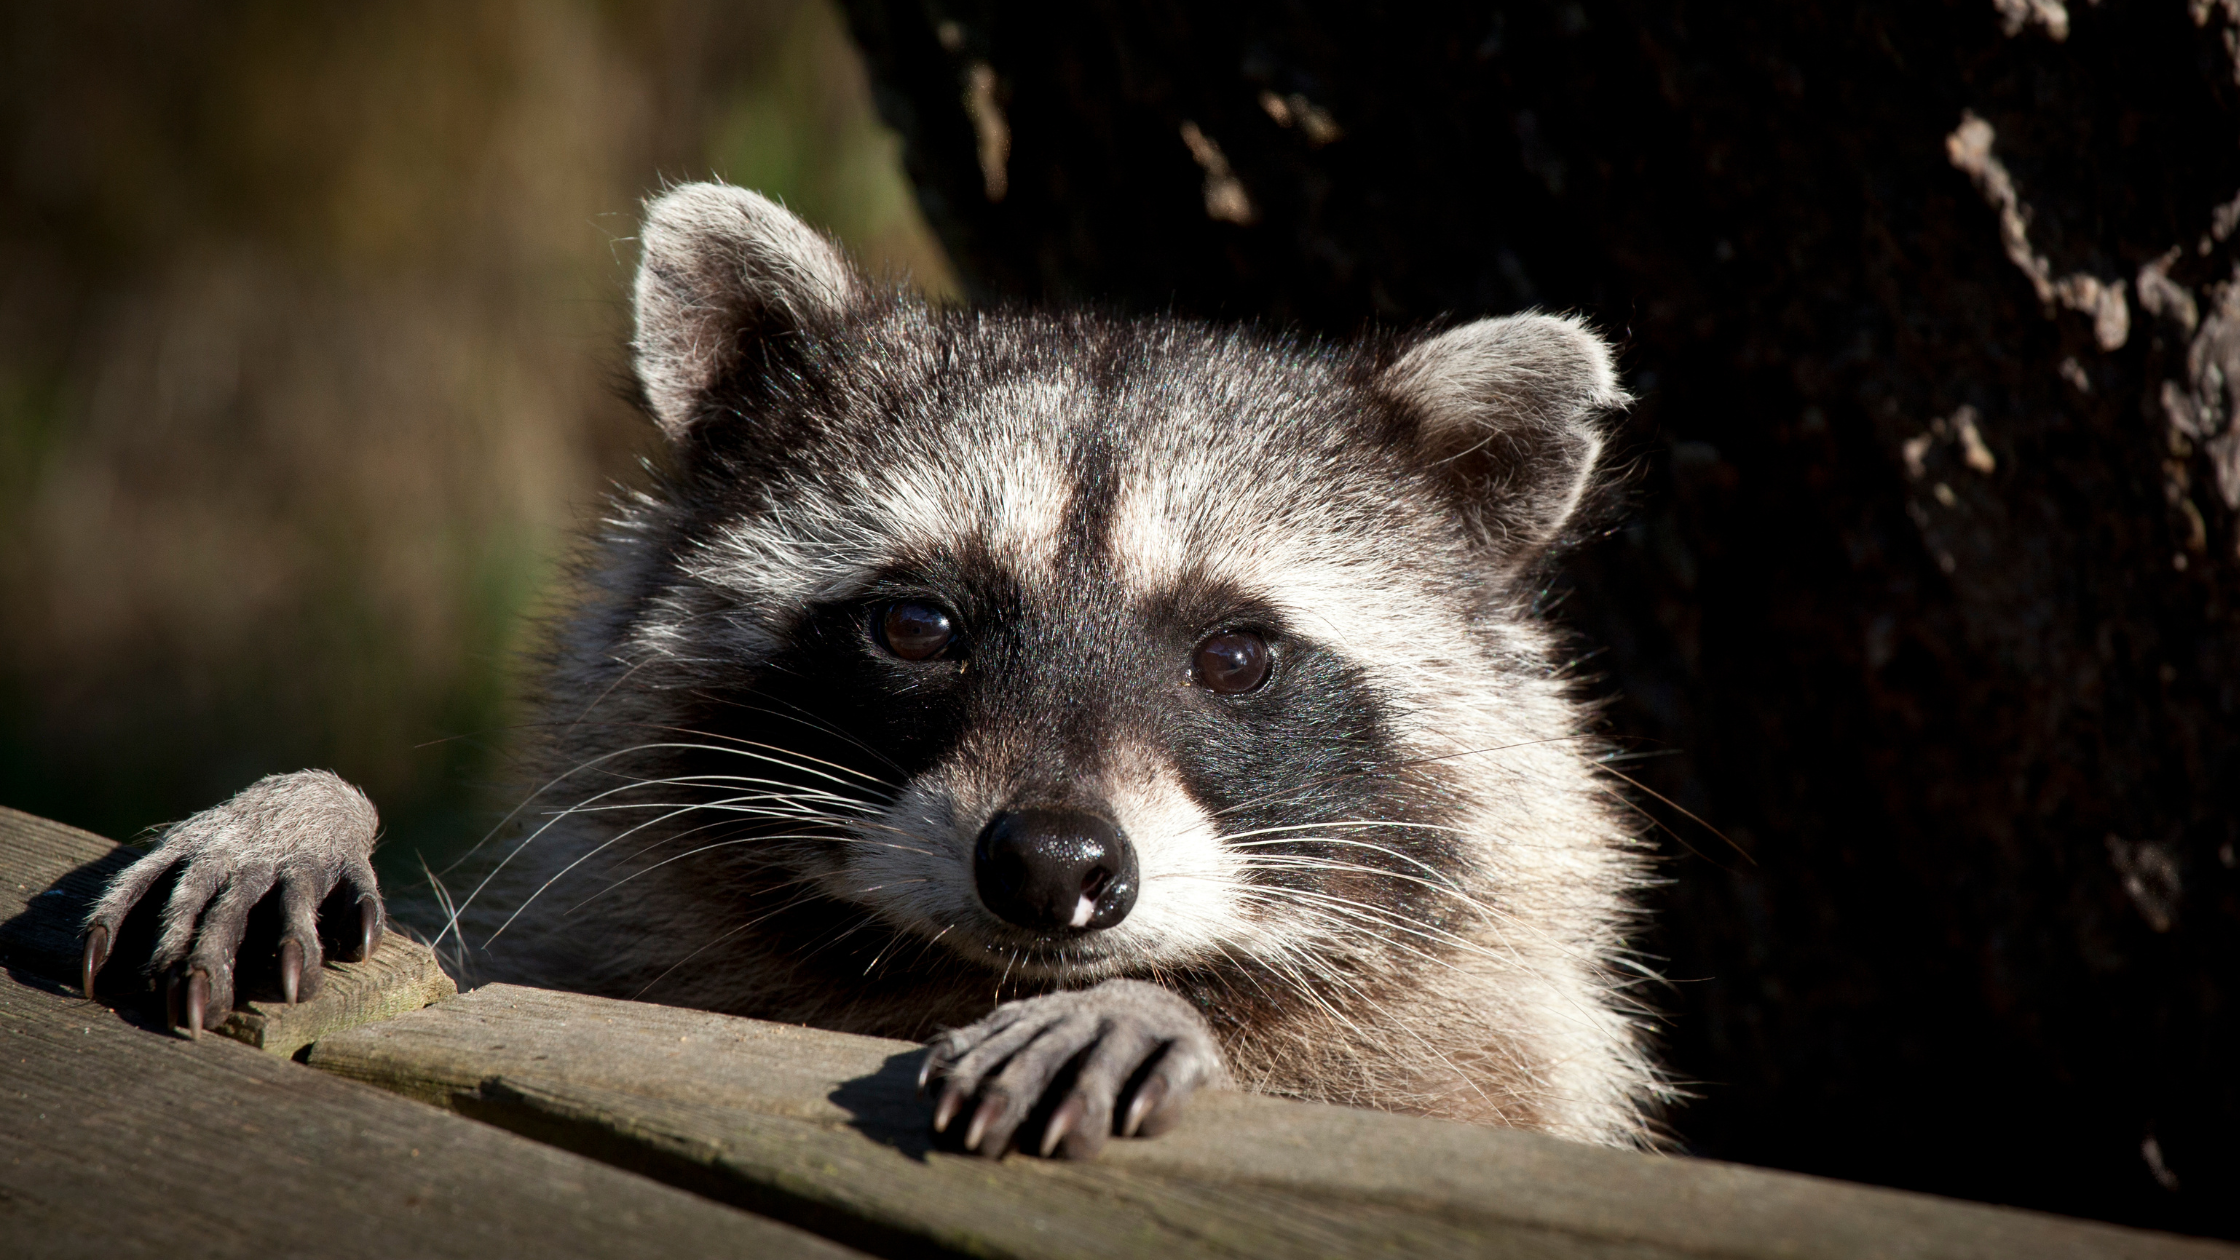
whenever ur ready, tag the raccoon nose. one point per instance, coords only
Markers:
(1055, 870)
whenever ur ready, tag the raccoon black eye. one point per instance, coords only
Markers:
(1232, 663)
(915, 631)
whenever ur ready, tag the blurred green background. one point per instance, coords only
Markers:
(311, 329)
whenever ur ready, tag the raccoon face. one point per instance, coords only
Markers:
(1080, 648)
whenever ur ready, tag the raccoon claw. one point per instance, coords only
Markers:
(952, 1099)
(1144, 1107)
(369, 929)
(1078, 1054)
(991, 1111)
(291, 970)
(1064, 1123)
(97, 953)
(189, 1002)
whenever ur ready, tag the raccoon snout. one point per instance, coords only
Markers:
(1055, 870)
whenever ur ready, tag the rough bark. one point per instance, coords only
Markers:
(1927, 580)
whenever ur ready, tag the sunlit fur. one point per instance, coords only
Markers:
(1393, 877)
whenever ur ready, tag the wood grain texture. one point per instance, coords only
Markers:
(402, 975)
(50, 874)
(823, 1129)
(118, 1140)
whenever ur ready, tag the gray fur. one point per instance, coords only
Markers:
(1517, 404)
(303, 833)
(1107, 1034)
(1392, 877)
(723, 264)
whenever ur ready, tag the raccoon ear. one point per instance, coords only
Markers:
(723, 267)
(1513, 410)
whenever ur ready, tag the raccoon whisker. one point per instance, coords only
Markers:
(1291, 895)
(754, 751)
(1437, 877)
(1326, 905)
(734, 805)
(647, 987)
(925, 945)
(1302, 986)
(1381, 917)
(801, 763)
(807, 719)
(771, 801)
(1367, 929)
(628, 786)
(894, 939)
(723, 844)
(1659, 823)
(594, 762)
(1247, 968)
(845, 829)
(840, 835)
(852, 796)
(586, 856)
(810, 799)
(1305, 987)
(1011, 959)
(872, 888)
(1331, 976)
(715, 941)
(1497, 920)
(450, 912)
(1332, 866)
(863, 919)
(658, 842)
(530, 839)
(883, 784)
(1353, 919)
(625, 676)
(515, 812)
(1405, 1026)
(1232, 837)
(675, 810)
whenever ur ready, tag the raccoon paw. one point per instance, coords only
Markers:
(1121, 1058)
(309, 835)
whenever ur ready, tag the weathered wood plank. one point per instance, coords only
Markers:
(403, 975)
(120, 1141)
(50, 874)
(824, 1129)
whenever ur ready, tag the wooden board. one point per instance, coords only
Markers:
(116, 1139)
(120, 1139)
(50, 874)
(825, 1130)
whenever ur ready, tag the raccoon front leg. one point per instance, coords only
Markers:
(308, 834)
(1137, 1052)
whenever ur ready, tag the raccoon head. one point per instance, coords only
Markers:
(1086, 647)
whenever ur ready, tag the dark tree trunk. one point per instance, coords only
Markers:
(1928, 584)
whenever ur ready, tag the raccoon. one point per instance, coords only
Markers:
(1130, 707)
